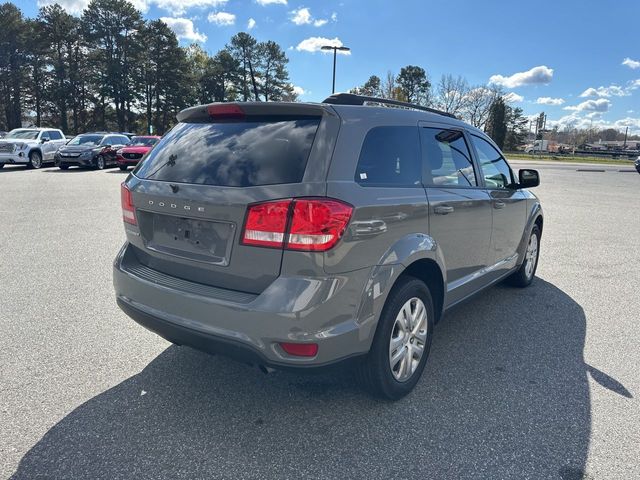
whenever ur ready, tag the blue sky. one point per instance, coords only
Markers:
(580, 57)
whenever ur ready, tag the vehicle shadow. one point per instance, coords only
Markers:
(504, 395)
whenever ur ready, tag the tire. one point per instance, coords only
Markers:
(1, 166)
(379, 372)
(527, 271)
(123, 168)
(63, 167)
(100, 164)
(35, 160)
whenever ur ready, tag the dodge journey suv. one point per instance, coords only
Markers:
(299, 235)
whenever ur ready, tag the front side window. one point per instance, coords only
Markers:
(447, 158)
(390, 156)
(55, 135)
(45, 136)
(495, 170)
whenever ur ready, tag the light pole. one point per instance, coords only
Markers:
(335, 51)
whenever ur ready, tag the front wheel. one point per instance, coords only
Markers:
(35, 160)
(524, 275)
(124, 168)
(100, 162)
(402, 342)
(63, 167)
(1, 165)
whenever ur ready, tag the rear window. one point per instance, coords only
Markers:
(259, 151)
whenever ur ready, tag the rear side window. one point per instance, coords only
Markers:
(55, 135)
(390, 156)
(258, 151)
(447, 158)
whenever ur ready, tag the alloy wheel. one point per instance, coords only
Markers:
(408, 339)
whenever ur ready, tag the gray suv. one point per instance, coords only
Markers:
(300, 235)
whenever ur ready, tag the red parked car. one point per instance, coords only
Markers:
(132, 153)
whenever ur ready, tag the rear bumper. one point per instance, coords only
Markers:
(245, 326)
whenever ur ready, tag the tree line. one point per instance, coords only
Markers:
(110, 69)
(483, 106)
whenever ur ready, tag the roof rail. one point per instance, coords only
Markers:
(353, 99)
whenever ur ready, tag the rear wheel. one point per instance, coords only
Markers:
(401, 345)
(124, 168)
(1, 165)
(35, 160)
(524, 275)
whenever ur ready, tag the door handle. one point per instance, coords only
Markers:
(499, 205)
(443, 209)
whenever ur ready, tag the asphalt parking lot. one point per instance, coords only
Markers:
(534, 383)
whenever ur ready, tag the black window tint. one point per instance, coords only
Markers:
(495, 170)
(236, 154)
(390, 156)
(54, 135)
(447, 157)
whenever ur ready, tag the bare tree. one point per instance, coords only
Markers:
(478, 103)
(452, 94)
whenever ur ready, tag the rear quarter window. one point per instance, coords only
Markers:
(252, 152)
(390, 157)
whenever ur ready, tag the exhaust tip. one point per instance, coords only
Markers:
(266, 370)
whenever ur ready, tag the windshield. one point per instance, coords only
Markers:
(258, 151)
(23, 134)
(143, 142)
(86, 140)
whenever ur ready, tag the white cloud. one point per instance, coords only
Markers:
(610, 91)
(574, 120)
(536, 76)
(179, 7)
(334, 17)
(631, 63)
(314, 44)
(184, 30)
(549, 101)
(251, 23)
(302, 16)
(271, 2)
(222, 18)
(298, 90)
(599, 105)
(512, 97)
(634, 84)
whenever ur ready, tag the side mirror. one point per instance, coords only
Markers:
(528, 178)
(44, 140)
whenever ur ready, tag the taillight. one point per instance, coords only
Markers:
(317, 224)
(266, 224)
(305, 224)
(225, 110)
(128, 213)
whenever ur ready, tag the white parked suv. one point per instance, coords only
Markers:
(30, 146)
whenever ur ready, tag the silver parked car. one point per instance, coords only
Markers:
(32, 147)
(293, 235)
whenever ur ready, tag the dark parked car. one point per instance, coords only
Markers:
(293, 235)
(638, 164)
(95, 150)
(131, 154)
